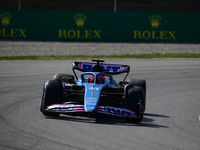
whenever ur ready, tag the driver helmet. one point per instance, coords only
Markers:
(91, 79)
(100, 79)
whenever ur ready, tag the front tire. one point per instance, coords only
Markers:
(52, 94)
(134, 98)
(142, 84)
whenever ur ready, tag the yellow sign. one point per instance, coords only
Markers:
(86, 34)
(159, 35)
(79, 34)
(154, 35)
(5, 18)
(155, 21)
(80, 20)
(10, 32)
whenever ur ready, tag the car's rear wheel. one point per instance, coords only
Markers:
(134, 98)
(65, 77)
(52, 94)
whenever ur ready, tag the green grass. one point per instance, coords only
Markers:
(53, 57)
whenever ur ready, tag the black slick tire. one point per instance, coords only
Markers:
(142, 84)
(134, 97)
(65, 77)
(52, 94)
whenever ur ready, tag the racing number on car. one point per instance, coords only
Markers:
(91, 93)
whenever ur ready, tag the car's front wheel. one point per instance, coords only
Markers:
(142, 84)
(52, 94)
(134, 98)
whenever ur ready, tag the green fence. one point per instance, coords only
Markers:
(99, 26)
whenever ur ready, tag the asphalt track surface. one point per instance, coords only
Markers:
(171, 120)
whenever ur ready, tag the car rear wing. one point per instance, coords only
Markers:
(111, 69)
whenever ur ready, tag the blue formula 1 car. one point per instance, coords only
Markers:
(95, 92)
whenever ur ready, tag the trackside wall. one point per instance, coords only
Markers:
(83, 26)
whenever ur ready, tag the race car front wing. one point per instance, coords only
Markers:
(67, 108)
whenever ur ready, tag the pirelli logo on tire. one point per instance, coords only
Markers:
(80, 33)
(154, 34)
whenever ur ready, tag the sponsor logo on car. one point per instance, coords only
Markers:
(117, 111)
(107, 68)
(63, 107)
(92, 88)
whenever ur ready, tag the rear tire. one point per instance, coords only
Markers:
(52, 94)
(134, 100)
(65, 77)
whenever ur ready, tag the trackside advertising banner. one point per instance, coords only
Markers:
(100, 26)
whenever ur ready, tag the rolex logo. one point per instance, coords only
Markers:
(155, 21)
(5, 18)
(80, 20)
